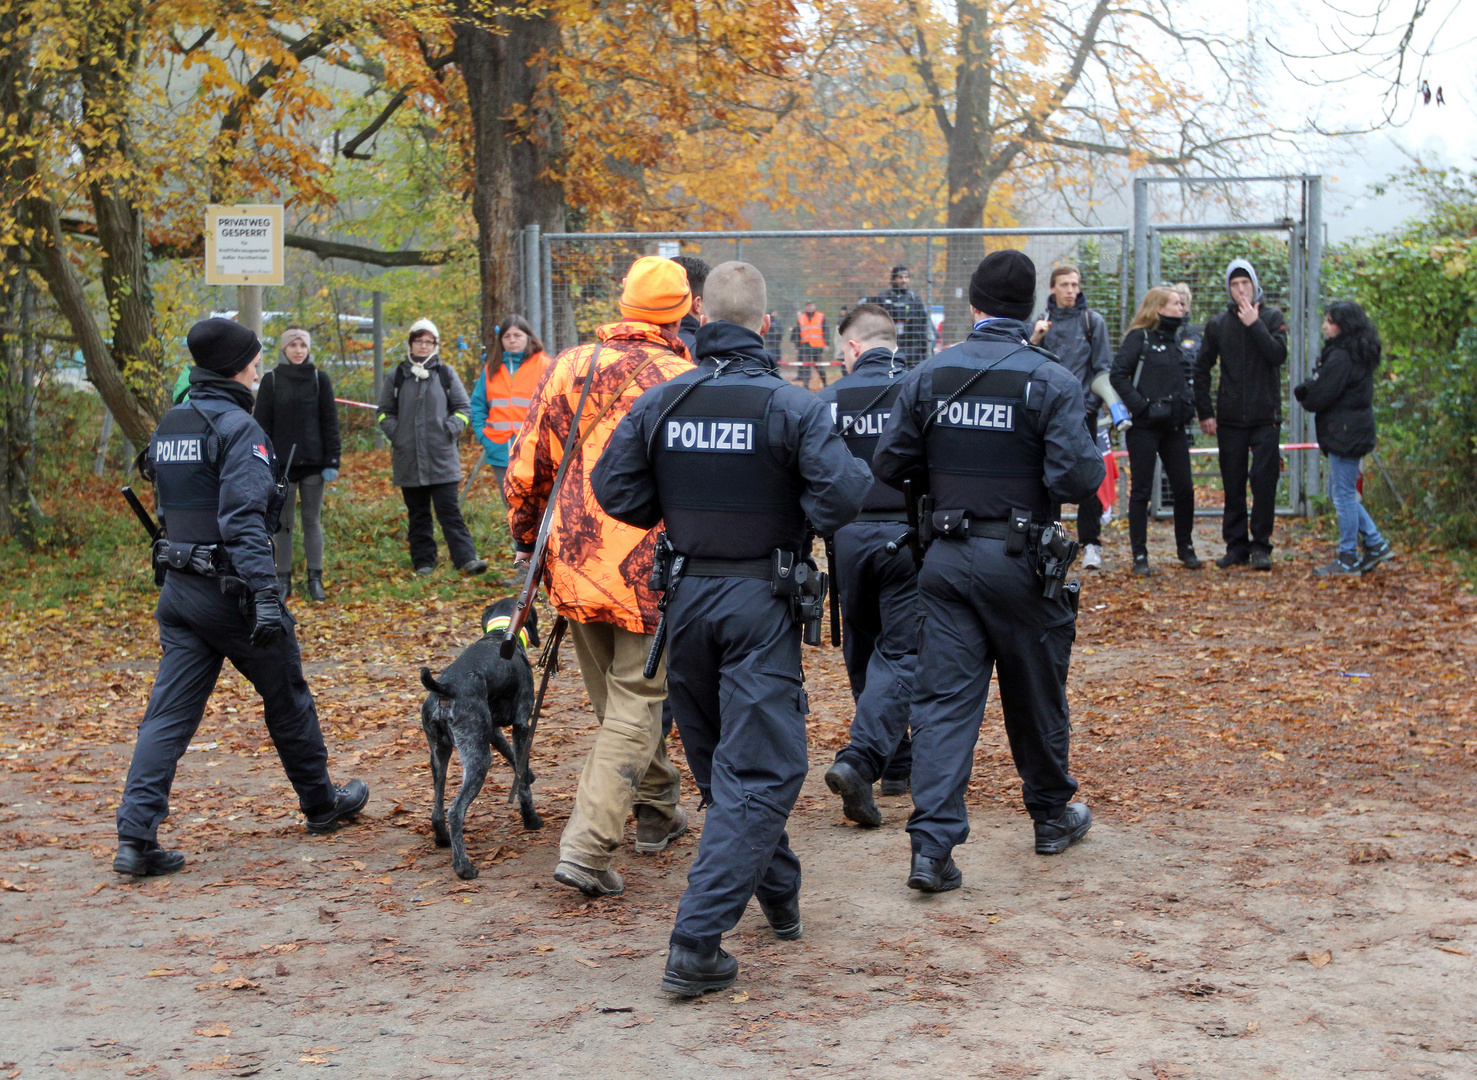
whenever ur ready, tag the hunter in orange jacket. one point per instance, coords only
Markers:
(597, 567)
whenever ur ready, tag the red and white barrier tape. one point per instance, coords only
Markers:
(1216, 450)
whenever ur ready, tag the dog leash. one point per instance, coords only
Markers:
(550, 661)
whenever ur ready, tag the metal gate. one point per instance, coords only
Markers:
(1288, 255)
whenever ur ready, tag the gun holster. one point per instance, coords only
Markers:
(661, 563)
(798, 580)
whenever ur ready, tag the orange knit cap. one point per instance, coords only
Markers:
(656, 291)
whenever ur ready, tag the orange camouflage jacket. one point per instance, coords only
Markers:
(597, 568)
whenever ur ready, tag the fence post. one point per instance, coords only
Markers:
(546, 292)
(99, 463)
(1297, 361)
(1313, 282)
(249, 305)
(379, 360)
(1140, 239)
(532, 279)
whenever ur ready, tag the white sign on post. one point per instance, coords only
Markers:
(243, 245)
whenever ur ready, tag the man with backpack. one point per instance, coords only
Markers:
(1078, 337)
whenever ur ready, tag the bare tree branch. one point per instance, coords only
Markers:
(333, 249)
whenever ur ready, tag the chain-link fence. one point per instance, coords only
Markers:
(813, 278)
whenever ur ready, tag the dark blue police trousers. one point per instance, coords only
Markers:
(879, 618)
(983, 611)
(733, 679)
(198, 629)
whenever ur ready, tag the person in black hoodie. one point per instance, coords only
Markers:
(1341, 397)
(295, 407)
(1149, 374)
(1249, 338)
(697, 276)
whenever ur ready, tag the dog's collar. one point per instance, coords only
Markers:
(502, 622)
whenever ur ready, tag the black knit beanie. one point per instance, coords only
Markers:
(223, 346)
(1004, 285)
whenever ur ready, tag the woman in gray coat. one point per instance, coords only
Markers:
(423, 409)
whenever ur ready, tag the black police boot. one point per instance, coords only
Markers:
(690, 973)
(315, 586)
(348, 800)
(784, 918)
(896, 785)
(284, 585)
(1053, 837)
(934, 875)
(856, 795)
(145, 858)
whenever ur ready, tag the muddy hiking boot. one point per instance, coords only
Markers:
(654, 830)
(145, 858)
(590, 882)
(315, 586)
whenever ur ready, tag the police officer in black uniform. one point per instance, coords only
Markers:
(909, 315)
(735, 460)
(878, 590)
(214, 472)
(992, 429)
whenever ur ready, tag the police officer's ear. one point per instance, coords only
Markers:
(764, 326)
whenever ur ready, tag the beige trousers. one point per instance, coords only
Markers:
(628, 765)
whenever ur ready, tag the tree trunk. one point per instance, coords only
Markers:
(134, 415)
(969, 150)
(20, 515)
(516, 137)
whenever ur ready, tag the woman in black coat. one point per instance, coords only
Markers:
(1151, 376)
(1340, 395)
(295, 407)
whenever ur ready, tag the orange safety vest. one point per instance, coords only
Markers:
(508, 396)
(811, 332)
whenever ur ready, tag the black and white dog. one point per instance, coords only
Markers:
(466, 709)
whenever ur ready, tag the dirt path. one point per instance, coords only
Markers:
(1280, 882)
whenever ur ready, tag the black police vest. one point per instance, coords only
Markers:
(983, 456)
(860, 415)
(185, 455)
(724, 494)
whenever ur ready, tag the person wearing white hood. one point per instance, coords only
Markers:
(423, 410)
(1249, 338)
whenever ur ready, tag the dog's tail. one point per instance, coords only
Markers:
(429, 682)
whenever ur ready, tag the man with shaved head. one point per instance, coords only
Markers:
(735, 461)
(879, 591)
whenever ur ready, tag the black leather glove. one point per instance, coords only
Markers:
(269, 620)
